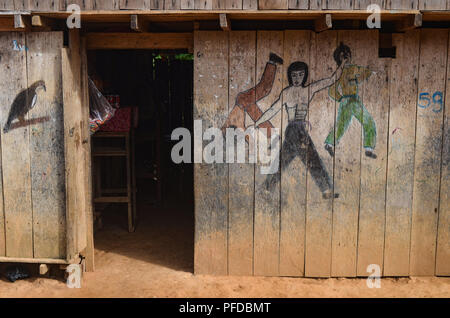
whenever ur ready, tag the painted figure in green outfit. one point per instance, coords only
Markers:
(345, 91)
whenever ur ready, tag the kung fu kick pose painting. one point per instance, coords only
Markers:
(343, 87)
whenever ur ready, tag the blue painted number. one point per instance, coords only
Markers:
(437, 99)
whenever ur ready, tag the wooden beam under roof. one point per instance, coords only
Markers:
(148, 41)
(225, 23)
(323, 23)
(190, 15)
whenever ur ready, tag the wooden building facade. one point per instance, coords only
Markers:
(364, 163)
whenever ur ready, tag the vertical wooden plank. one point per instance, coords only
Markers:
(400, 171)
(432, 4)
(134, 4)
(106, 4)
(298, 4)
(187, 4)
(267, 201)
(7, 5)
(250, 4)
(44, 5)
(47, 146)
(293, 176)
(443, 243)
(89, 252)
(347, 165)
(203, 4)
(15, 144)
(315, 4)
(157, 4)
(337, 4)
(363, 4)
(273, 4)
(84, 4)
(402, 4)
(22, 5)
(226, 4)
(322, 110)
(373, 171)
(172, 5)
(242, 176)
(75, 128)
(211, 180)
(427, 165)
(4, 91)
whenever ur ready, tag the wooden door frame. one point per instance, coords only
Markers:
(79, 216)
(80, 223)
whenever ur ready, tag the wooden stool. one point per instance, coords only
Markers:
(127, 195)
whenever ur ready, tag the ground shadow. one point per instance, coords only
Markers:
(164, 235)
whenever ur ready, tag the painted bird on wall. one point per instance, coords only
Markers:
(23, 103)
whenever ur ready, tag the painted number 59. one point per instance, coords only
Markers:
(425, 101)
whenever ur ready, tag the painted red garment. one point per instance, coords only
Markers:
(246, 102)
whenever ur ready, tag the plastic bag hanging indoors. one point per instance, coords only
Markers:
(100, 110)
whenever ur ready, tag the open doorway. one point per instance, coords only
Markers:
(143, 202)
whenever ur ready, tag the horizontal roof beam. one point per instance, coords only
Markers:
(144, 41)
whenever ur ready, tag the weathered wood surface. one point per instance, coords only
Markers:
(156, 4)
(6, 4)
(392, 210)
(15, 146)
(105, 4)
(443, 241)
(433, 4)
(402, 4)
(363, 4)
(273, 4)
(75, 143)
(347, 177)
(203, 4)
(337, 4)
(187, 4)
(322, 111)
(211, 180)
(250, 4)
(4, 91)
(21, 4)
(227, 4)
(299, 4)
(293, 176)
(61, 5)
(373, 171)
(267, 201)
(44, 5)
(400, 173)
(83, 4)
(89, 252)
(241, 175)
(427, 165)
(135, 4)
(47, 146)
(172, 5)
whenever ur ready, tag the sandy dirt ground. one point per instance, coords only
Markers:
(157, 261)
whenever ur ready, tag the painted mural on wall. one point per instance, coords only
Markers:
(25, 101)
(343, 86)
(346, 92)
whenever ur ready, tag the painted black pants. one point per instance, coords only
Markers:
(298, 143)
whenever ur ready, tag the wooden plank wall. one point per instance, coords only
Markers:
(32, 148)
(56, 5)
(391, 210)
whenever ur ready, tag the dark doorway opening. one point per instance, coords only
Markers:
(155, 92)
